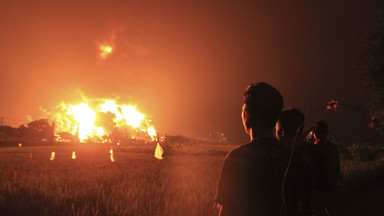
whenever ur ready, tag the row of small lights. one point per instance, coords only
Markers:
(53, 154)
(158, 154)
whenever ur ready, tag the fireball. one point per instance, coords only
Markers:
(100, 120)
(85, 117)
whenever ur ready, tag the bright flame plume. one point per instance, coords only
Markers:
(100, 120)
(52, 156)
(73, 155)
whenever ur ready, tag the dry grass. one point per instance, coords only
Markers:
(136, 184)
(361, 188)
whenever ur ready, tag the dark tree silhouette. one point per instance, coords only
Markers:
(38, 130)
(371, 62)
(7, 132)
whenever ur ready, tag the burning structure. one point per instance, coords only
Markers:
(100, 120)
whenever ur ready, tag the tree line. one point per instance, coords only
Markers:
(35, 131)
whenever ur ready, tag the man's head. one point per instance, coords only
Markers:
(262, 106)
(289, 122)
(321, 130)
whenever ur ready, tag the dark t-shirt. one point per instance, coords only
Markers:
(327, 169)
(250, 182)
(299, 178)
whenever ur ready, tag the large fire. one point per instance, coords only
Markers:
(101, 120)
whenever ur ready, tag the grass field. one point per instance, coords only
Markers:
(135, 184)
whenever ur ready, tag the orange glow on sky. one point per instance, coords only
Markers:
(186, 63)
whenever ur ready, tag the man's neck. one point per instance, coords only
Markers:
(255, 133)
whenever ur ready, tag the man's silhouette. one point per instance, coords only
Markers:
(327, 169)
(250, 181)
(288, 131)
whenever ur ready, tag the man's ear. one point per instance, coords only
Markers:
(248, 119)
(280, 134)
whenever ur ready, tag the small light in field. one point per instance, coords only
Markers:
(52, 156)
(30, 155)
(111, 157)
(118, 143)
(20, 144)
(73, 155)
(159, 152)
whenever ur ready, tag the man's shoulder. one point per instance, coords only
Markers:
(257, 147)
(238, 151)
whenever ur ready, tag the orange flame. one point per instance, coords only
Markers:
(73, 155)
(100, 120)
(52, 156)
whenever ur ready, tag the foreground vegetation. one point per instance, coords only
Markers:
(136, 183)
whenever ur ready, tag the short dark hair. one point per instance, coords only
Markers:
(263, 103)
(291, 120)
(321, 129)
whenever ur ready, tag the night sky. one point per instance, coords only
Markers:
(185, 63)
